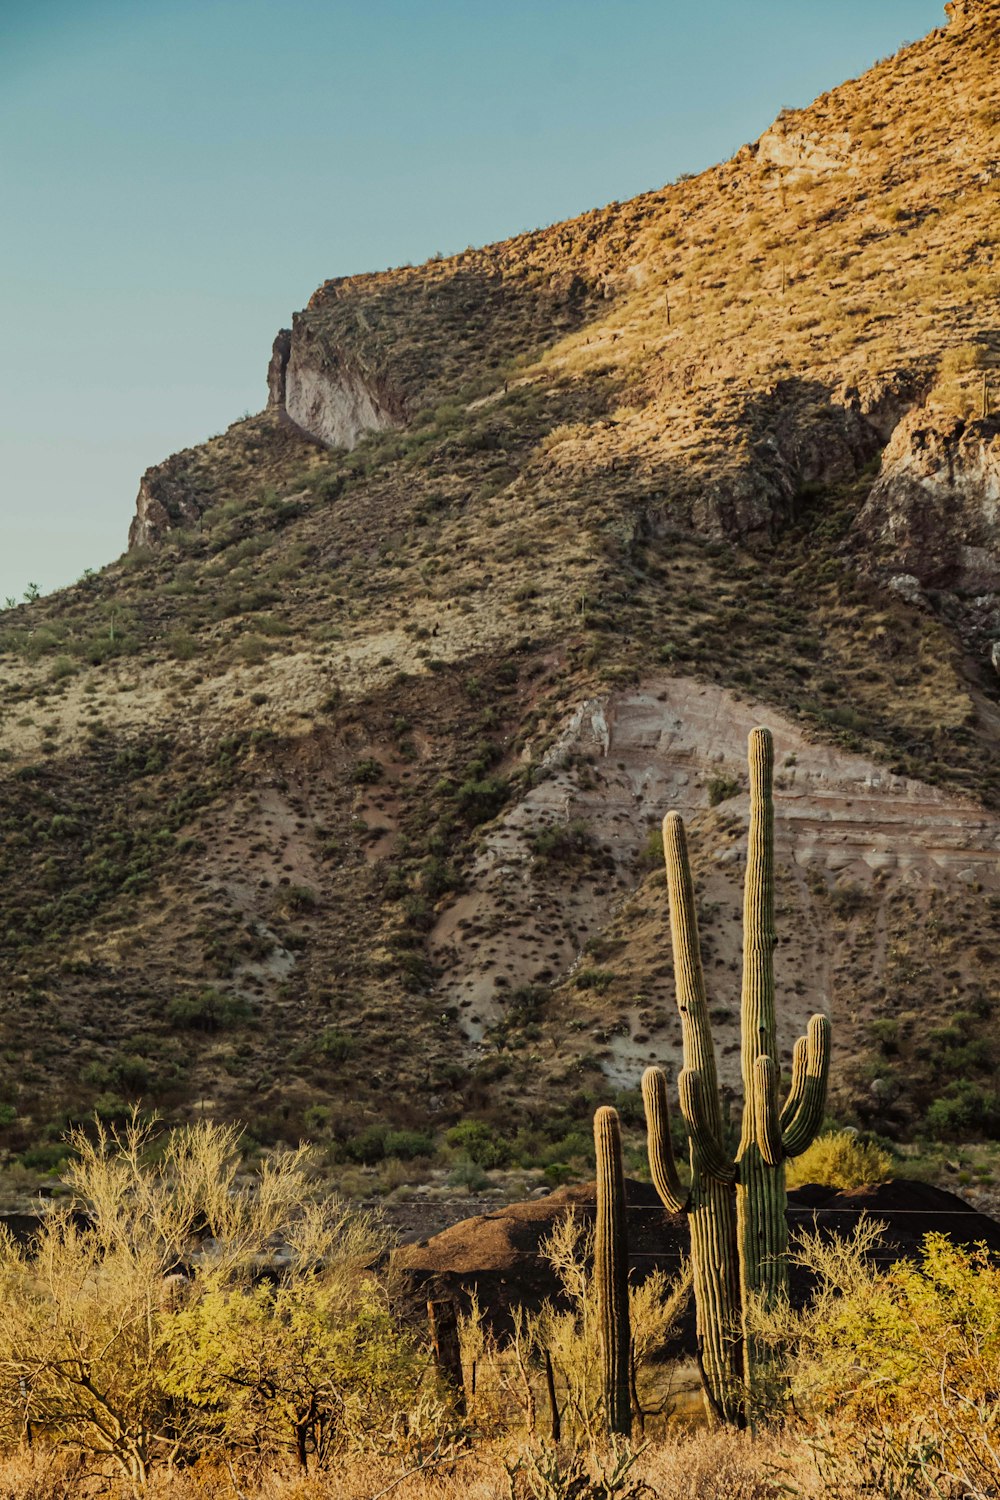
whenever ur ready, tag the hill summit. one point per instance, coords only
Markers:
(333, 804)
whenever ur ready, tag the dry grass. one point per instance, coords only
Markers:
(696, 1466)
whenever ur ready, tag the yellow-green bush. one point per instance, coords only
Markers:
(150, 1322)
(840, 1160)
(896, 1371)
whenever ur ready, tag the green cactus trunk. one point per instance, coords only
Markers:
(762, 1230)
(710, 1204)
(611, 1272)
(736, 1203)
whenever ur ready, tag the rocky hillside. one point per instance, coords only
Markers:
(333, 803)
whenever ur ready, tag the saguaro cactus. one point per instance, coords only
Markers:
(736, 1202)
(611, 1271)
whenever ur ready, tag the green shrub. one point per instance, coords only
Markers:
(480, 800)
(335, 1045)
(437, 877)
(407, 1144)
(45, 1157)
(561, 843)
(62, 667)
(300, 898)
(368, 1146)
(209, 1010)
(479, 1142)
(964, 1108)
(367, 772)
(721, 788)
(594, 979)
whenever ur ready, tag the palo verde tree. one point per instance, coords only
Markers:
(735, 1204)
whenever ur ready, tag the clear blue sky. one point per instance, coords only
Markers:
(177, 176)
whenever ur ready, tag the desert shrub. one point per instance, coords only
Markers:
(594, 979)
(963, 1108)
(367, 772)
(107, 1349)
(208, 1010)
(311, 1364)
(479, 799)
(897, 1368)
(721, 788)
(840, 1159)
(335, 1045)
(480, 1143)
(561, 843)
(368, 1146)
(62, 667)
(300, 898)
(437, 877)
(651, 854)
(408, 1144)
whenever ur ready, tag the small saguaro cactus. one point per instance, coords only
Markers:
(736, 1202)
(611, 1271)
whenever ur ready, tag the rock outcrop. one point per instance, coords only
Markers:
(323, 392)
(972, 12)
(277, 370)
(934, 515)
(167, 499)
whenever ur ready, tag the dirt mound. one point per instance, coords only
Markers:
(496, 1254)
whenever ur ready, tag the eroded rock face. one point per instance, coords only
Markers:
(792, 435)
(278, 368)
(798, 150)
(325, 396)
(934, 514)
(935, 507)
(972, 12)
(166, 499)
(620, 761)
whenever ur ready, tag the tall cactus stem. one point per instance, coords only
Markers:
(611, 1271)
(759, 937)
(760, 1193)
(692, 1002)
(711, 1207)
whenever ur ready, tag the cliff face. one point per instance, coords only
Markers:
(321, 394)
(168, 499)
(933, 516)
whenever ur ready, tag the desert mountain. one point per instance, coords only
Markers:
(333, 802)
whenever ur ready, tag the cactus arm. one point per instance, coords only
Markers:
(689, 977)
(797, 1088)
(801, 1129)
(766, 1126)
(698, 1116)
(662, 1166)
(611, 1271)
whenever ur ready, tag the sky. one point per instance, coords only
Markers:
(177, 176)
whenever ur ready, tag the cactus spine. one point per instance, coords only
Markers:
(736, 1203)
(611, 1271)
